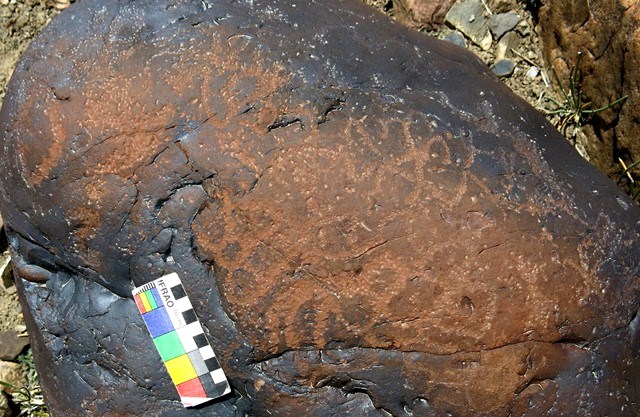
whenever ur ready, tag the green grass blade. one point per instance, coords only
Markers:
(608, 106)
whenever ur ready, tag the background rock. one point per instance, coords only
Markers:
(503, 68)
(12, 373)
(508, 43)
(607, 34)
(421, 14)
(11, 345)
(502, 6)
(381, 228)
(502, 23)
(469, 17)
(456, 38)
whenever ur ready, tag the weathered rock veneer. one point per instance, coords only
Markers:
(368, 222)
(607, 34)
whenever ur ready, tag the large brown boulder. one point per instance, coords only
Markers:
(607, 34)
(367, 221)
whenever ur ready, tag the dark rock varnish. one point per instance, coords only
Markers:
(367, 221)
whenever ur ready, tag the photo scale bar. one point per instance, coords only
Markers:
(180, 340)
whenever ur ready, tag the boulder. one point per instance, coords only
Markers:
(367, 222)
(607, 34)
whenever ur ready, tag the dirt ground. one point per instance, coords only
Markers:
(20, 21)
(10, 314)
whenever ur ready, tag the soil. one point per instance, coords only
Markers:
(20, 21)
(10, 313)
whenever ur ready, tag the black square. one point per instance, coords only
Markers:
(220, 388)
(212, 364)
(212, 389)
(178, 292)
(189, 316)
(208, 384)
(201, 340)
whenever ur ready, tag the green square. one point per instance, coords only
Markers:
(152, 300)
(169, 346)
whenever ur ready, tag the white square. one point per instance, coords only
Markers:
(171, 280)
(207, 352)
(218, 376)
(182, 304)
(186, 334)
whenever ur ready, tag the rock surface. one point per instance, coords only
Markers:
(503, 68)
(421, 14)
(469, 17)
(608, 35)
(456, 38)
(11, 373)
(380, 228)
(502, 23)
(11, 345)
(502, 6)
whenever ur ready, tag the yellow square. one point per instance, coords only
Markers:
(145, 301)
(180, 369)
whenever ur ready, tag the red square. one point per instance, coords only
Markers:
(191, 388)
(141, 308)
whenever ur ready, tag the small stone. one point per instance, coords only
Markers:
(6, 278)
(508, 42)
(20, 328)
(11, 290)
(4, 2)
(504, 68)
(533, 72)
(11, 345)
(468, 17)
(21, 21)
(503, 23)
(40, 18)
(456, 38)
(11, 373)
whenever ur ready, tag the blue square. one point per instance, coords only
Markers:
(158, 322)
(157, 297)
